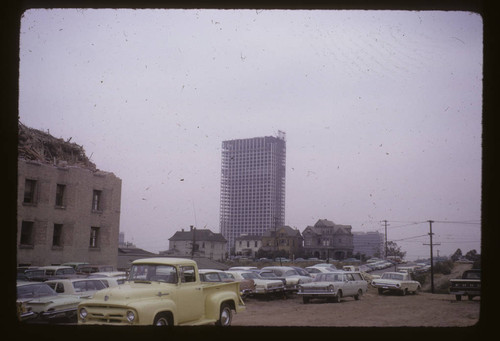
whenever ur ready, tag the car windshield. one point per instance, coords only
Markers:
(66, 271)
(224, 275)
(153, 272)
(390, 275)
(35, 290)
(88, 285)
(249, 275)
(328, 277)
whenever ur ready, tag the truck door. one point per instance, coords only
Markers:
(190, 302)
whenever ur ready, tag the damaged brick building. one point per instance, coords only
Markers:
(67, 209)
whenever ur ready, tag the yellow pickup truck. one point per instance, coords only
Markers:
(163, 292)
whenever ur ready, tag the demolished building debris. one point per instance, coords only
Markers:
(36, 145)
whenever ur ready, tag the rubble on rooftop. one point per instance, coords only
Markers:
(36, 145)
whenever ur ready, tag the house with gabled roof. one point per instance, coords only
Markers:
(283, 238)
(327, 240)
(197, 243)
(247, 245)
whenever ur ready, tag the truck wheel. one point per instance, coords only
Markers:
(225, 316)
(458, 297)
(358, 295)
(305, 300)
(162, 320)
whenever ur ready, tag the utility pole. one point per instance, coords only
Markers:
(385, 222)
(432, 259)
(193, 229)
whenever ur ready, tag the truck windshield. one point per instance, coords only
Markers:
(153, 272)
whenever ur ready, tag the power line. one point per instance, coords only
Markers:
(466, 222)
(398, 240)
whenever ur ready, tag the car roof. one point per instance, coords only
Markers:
(71, 280)
(209, 270)
(165, 260)
(54, 267)
(278, 267)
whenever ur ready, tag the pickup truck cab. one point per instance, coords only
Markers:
(163, 291)
(469, 285)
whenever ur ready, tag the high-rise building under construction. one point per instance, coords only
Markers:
(252, 199)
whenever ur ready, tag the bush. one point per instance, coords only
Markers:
(420, 277)
(444, 267)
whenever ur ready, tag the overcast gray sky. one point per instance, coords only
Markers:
(381, 109)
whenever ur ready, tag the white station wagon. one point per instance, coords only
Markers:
(334, 286)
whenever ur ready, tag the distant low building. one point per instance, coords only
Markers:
(370, 244)
(197, 242)
(327, 240)
(67, 209)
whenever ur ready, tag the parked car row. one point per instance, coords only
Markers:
(52, 293)
(67, 270)
(57, 299)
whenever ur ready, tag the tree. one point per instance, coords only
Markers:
(457, 255)
(472, 255)
(394, 250)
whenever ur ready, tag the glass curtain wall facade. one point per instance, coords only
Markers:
(252, 186)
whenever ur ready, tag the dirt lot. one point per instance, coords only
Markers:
(372, 310)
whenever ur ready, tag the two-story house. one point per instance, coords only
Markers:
(247, 245)
(284, 238)
(327, 240)
(197, 242)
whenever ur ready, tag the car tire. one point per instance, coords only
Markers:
(458, 297)
(358, 295)
(225, 315)
(305, 300)
(337, 297)
(162, 320)
(380, 291)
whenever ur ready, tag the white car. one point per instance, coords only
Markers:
(39, 301)
(81, 287)
(290, 275)
(111, 277)
(334, 286)
(400, 282)
(314, 270)
(262, 285)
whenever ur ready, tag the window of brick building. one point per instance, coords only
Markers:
(96, 200)
(57, 235)
(27, 232)
(29, 191)
(94, 237)
(60, 195)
